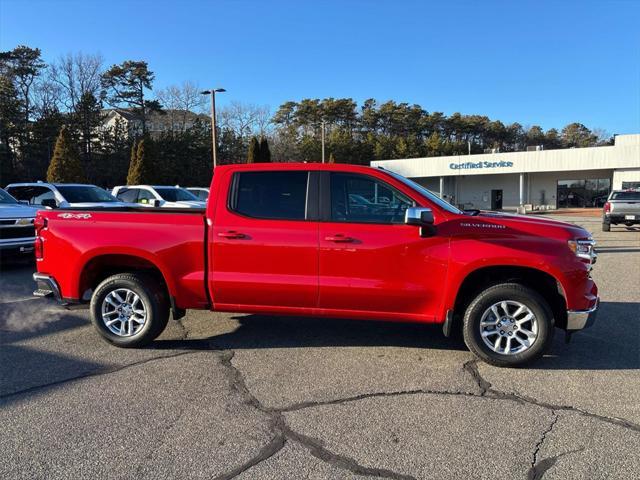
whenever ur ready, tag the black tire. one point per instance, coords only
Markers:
(508, 292)
(629, 224)
(606, 227)
(154, 298)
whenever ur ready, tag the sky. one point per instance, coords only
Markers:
(535, 62)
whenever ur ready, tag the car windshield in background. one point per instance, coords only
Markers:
(6, 198)
(84, 193)
(427, 193)
(175, 194)
(625, 195)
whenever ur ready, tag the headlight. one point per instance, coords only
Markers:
(583, 249)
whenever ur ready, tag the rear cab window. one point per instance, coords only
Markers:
(272, 195)
(623, 196)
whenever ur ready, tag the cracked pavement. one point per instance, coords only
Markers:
(223, 396)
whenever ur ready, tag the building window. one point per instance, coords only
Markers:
(592, 192)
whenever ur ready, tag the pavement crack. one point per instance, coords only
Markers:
(92, 373)
(282, 432)
(535, 473)
(364, 396)
(471, 367)
(317, 449)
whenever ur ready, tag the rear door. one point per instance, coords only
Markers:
(370, 260)
(264, 241)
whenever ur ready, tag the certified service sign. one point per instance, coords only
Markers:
(476, 165)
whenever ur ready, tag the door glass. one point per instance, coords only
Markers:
(128, 195)
(34, 195)
(271, 195)
(145, 197)
(363, 199)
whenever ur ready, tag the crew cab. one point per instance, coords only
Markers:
(158, 196)
(623, 206)
(298, 239)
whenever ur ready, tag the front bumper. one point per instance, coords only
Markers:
(579, 319)
(18, 245)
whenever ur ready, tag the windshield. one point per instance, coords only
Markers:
(176, 194)
(427, 193)
(6, 198)
(625, 196)
(84, 193)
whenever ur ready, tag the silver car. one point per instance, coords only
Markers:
(16, 225)
(64, 195)
(622, 207)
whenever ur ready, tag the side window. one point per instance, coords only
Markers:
(34, 195)
(128, 195)
(363, 199)
(270, 195)
(202, 194)
(145, 196)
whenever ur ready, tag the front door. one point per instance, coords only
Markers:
(496, 199)
(264, 244)
(370, 260)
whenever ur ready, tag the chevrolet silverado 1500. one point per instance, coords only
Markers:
(327, 241)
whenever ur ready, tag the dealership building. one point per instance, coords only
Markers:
(537, 180)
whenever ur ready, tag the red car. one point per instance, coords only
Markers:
(327, 241)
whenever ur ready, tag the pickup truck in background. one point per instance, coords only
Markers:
(622, 207)
(326, 241)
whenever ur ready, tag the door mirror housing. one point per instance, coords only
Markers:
(49, 203)
(155, 202)
(418, 216)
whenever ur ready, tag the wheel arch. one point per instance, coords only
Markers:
(541, 281)
(102, 265)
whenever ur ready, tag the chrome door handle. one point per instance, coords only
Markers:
(339, 238)
(231, 234)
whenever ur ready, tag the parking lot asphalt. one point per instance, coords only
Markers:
(252, 397)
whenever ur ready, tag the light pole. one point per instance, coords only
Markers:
(213, 92)
(323, 123)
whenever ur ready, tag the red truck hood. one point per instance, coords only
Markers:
(534, 224)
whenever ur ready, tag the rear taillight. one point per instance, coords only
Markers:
(607, 207)
(39, 223)
(39, 248)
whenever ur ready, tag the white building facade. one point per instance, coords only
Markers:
(536, 180)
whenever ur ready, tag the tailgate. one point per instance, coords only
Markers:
(629, 207)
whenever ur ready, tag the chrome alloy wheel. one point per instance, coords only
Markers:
(508, 327)
(123, 312)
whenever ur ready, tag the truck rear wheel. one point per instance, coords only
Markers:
(129, 310)
(508, 325)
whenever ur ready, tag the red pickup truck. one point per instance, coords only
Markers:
(328, 241)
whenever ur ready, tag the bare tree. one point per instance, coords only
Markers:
(246, 120)
(181, 102)
(77, 75)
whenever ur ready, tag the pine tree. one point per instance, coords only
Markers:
(133, 164)
(265, 153)
(65, 166)
(332, 159)
(145, 168)
(253, 156)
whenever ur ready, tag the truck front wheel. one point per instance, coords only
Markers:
(129, 310)
(508, 325)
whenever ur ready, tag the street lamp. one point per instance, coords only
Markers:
(213, 92)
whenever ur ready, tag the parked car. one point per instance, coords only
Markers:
(158, 196)
(283, 239)
(623, 206)
(17, 233)
(63, 195)
(200, 192)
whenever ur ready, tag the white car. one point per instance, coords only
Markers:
(63, 195)
(158, 196)
(16, 225)
(200, 192)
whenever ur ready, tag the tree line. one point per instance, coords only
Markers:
(43, 104)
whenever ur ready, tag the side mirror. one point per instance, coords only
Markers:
(418, 216)
(155, 202)
(49, 203)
